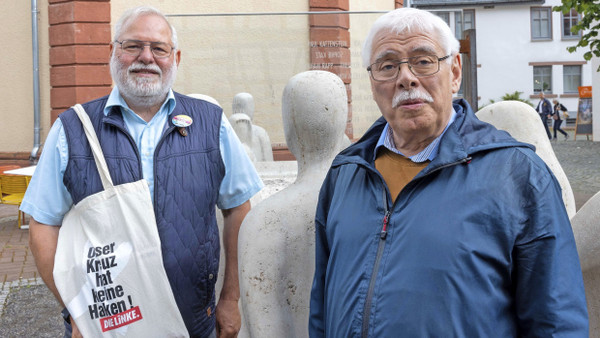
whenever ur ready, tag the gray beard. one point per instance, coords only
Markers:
(142, 92)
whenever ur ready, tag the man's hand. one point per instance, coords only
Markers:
(75, 330)
(229, 320)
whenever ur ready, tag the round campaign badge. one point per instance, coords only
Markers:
(182, 121)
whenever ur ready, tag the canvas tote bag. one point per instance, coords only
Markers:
(108, 266)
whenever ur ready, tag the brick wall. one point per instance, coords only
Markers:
(79, 36)
(330, 44)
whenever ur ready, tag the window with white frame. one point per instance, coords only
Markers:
(571, 78)
(463, 22)
(542, 79)
(541, 23)
(444, 15)
(568, 21)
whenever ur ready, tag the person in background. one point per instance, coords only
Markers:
(434, 223)
(188, 172)
(544, 109)
(556, 112)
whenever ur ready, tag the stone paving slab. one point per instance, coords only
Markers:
(16, 260)
(28, 309)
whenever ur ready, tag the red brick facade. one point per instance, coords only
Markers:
(79, 37)
(330, 44)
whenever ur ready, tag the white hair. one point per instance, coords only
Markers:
(411, 20)
(133, 13)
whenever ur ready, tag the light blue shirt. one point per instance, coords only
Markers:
(47, 199)
(429, 153)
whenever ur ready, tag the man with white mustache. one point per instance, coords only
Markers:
(185, 149)
(436, 224)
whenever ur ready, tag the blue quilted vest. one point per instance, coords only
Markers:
(187, 175)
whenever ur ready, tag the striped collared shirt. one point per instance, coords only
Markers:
(429, 153)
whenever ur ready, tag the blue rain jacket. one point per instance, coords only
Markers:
(478, 244)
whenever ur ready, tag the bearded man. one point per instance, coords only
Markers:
(141, 139)
(434, 223)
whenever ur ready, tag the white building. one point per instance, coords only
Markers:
(521, 46)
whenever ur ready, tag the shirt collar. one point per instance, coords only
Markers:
(386, 139)
(116, 100)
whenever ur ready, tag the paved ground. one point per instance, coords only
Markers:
(27, 309)
(581, 162)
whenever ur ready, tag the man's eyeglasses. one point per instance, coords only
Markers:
(422, 65)
(134, 47)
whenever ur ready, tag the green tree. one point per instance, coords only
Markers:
(516, 96)
(590, 22)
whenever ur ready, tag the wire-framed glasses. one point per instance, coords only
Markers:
(134, 47)
(422, 65)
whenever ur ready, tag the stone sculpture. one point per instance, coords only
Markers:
(522, 122)
(243, 103)
(276, 241)
(205, 98)
(586, 227)
(243, 128)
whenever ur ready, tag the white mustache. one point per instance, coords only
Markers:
(140, 66)
(411, 95)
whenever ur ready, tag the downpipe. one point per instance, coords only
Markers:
(33, 158)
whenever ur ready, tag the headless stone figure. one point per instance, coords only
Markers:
(205, 98)
(523, 123)
(276, 240)
(243, 103)
(243, 128)
(586, 227)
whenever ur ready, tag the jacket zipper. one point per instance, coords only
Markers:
(381, 246)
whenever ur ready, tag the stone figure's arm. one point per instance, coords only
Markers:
(548, 284)
(266, 147)
(228, 315)
(586, 226)
(267, 263)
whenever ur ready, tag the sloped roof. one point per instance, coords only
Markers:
(470, 3)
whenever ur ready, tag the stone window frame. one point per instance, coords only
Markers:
(568, 21)
(547, 75)
(536, 21)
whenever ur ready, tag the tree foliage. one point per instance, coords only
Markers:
(516, 96)
(590, 23)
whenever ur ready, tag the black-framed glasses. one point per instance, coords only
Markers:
(135, 47)
(422, 65)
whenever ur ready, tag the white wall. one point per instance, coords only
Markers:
(364, 108)
(16, 87)
(595, 98)
(505, 49)
(225, 55)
